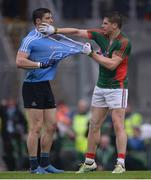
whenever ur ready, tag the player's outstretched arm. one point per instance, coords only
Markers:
(49, 29)
(73, 31)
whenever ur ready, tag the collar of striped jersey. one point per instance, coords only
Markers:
(42, 35)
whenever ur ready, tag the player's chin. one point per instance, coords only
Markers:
(104, 31)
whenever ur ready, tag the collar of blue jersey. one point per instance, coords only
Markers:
(60, 36)
(41, 34)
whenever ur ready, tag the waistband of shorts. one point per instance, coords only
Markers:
(39, 82)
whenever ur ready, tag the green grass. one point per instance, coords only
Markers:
(72, 175)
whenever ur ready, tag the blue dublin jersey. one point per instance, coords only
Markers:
(41, 48)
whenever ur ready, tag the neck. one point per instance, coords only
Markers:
(36, 26)
(114, 34)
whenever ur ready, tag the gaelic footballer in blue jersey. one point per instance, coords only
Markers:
(40, 54)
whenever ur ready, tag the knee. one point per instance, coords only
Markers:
(35, 130)
(51, 128)
(118, 127)
(94, 127)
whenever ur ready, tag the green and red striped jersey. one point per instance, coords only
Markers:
(121, 46)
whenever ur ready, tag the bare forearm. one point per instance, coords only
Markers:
(67, 30)
(106, 62)
(26, 63)
(73, 31)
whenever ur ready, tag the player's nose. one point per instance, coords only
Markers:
(102, 26)
(51, 21)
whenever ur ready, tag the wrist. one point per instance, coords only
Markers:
(55, 30)
(91, 54)
(39, 64)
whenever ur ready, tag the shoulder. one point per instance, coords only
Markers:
(123, 42)
(32, 35)
(28, 42)
(124, 39)
(96, 32)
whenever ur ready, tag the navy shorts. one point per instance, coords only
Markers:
(38, 95)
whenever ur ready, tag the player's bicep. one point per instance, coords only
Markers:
(21, 54)
(20, 57)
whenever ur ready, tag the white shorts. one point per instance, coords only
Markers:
(111, 98)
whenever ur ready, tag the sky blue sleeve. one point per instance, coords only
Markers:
(25, 46)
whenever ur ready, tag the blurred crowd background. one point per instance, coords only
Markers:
(73, 85)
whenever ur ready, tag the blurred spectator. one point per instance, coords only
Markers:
(146, 136)
(65, 138)
(80, 126)
(132, 119)
(136, 143)
(63, 117)
(13, 131)
(105, 154)
(136, 156)
(146, 131)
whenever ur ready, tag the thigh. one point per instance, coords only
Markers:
(98, 99)
(116, 98)
(98, 116)
(34, 117)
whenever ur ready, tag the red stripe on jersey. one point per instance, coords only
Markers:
(123, 46)
(121, 72)
(121, 51)
(119, 37)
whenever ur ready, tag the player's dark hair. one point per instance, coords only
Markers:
(115, 17)
(39, 13)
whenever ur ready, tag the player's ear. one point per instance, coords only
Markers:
(38, 21)
(114, 25)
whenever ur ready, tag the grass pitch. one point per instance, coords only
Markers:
(72, 175)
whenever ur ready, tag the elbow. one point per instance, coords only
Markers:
(112, 67)
(77, 32)
(18, 63)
